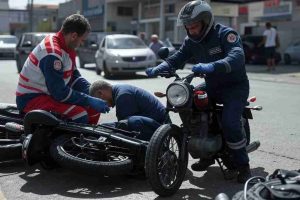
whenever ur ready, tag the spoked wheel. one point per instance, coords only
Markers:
(166, 160)
(87, 157)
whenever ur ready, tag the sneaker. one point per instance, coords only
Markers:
(202, 164)
(244, 173)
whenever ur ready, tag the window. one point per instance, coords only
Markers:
(103, 44)
(125, 11)
(170, 8)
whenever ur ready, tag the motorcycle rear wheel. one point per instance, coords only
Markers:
(66, 154)
(166, 160)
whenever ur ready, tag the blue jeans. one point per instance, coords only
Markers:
(145, 125)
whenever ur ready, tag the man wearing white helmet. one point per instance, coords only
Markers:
(219, 53)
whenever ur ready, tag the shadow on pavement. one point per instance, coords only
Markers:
(71, 184)
(211, 184)
(11, 167)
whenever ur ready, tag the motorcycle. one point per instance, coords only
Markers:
(46, 138)
(200, 134)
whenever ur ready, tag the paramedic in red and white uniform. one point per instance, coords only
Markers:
(50, 80)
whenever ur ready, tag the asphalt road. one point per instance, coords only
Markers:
(277, 128)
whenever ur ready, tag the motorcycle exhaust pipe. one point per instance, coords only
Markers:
(252, 146)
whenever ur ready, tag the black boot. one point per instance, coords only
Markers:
(202, 164)
(244, 173)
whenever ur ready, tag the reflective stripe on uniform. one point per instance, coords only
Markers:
(79, 115)
(237, 145)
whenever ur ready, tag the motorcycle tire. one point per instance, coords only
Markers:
(65, 159)
(10, 152)
(154, 154)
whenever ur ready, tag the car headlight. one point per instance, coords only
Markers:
(113, 58)
(178, 94)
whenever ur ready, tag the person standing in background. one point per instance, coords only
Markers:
(155, 44)
(270, 42)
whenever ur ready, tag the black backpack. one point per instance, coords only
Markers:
(281, 185)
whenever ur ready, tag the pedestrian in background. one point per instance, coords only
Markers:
(270, 41)
(142, 35)
(155, 44)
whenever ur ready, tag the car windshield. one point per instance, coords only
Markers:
(38, 38)
(8, 40)
(125, 43)
(167, 43)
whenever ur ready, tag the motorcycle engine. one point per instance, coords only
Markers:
(203, 144)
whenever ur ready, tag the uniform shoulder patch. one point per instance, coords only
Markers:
(231, 38)
(57, 65)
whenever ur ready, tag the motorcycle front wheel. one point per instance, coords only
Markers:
(166, 160)
(68, 155)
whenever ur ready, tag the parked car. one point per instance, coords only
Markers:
(292, 53)
(8, 45)
(123, 54)
(253, 53)
(26, 44)
(86, 52)
(168, 43)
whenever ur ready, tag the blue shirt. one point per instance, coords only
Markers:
(133, 101)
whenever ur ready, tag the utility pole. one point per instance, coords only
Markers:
(162, 20)
(31, 14)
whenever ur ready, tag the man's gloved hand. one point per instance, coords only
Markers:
(154, 71)
(98, 104)
(203, 68)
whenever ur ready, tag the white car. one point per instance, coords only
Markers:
(292, 53)
(123, 54)
(8, 45)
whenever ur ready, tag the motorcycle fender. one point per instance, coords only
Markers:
(34, 146)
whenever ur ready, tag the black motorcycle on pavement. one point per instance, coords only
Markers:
(200, 135)
(43, 137)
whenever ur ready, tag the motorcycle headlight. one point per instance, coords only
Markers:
(178, 94)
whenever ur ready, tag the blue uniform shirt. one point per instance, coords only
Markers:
(133, 101)
(223, 48)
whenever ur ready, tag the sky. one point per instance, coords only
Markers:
(21, 4)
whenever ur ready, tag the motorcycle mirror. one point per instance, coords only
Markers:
(159, 94)
(163, 52)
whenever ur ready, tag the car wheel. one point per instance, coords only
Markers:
(81, 63)
(287, 59)
(98, 70)
(19, 67)
(107, 74)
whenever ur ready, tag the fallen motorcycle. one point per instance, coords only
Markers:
(200, 135)
(42, 137)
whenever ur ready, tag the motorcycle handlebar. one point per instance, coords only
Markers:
(169, 74)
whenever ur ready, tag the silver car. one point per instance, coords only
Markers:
(292, 53)
(123, 54)
(8, 45)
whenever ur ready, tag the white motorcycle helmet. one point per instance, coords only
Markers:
(196, 11)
